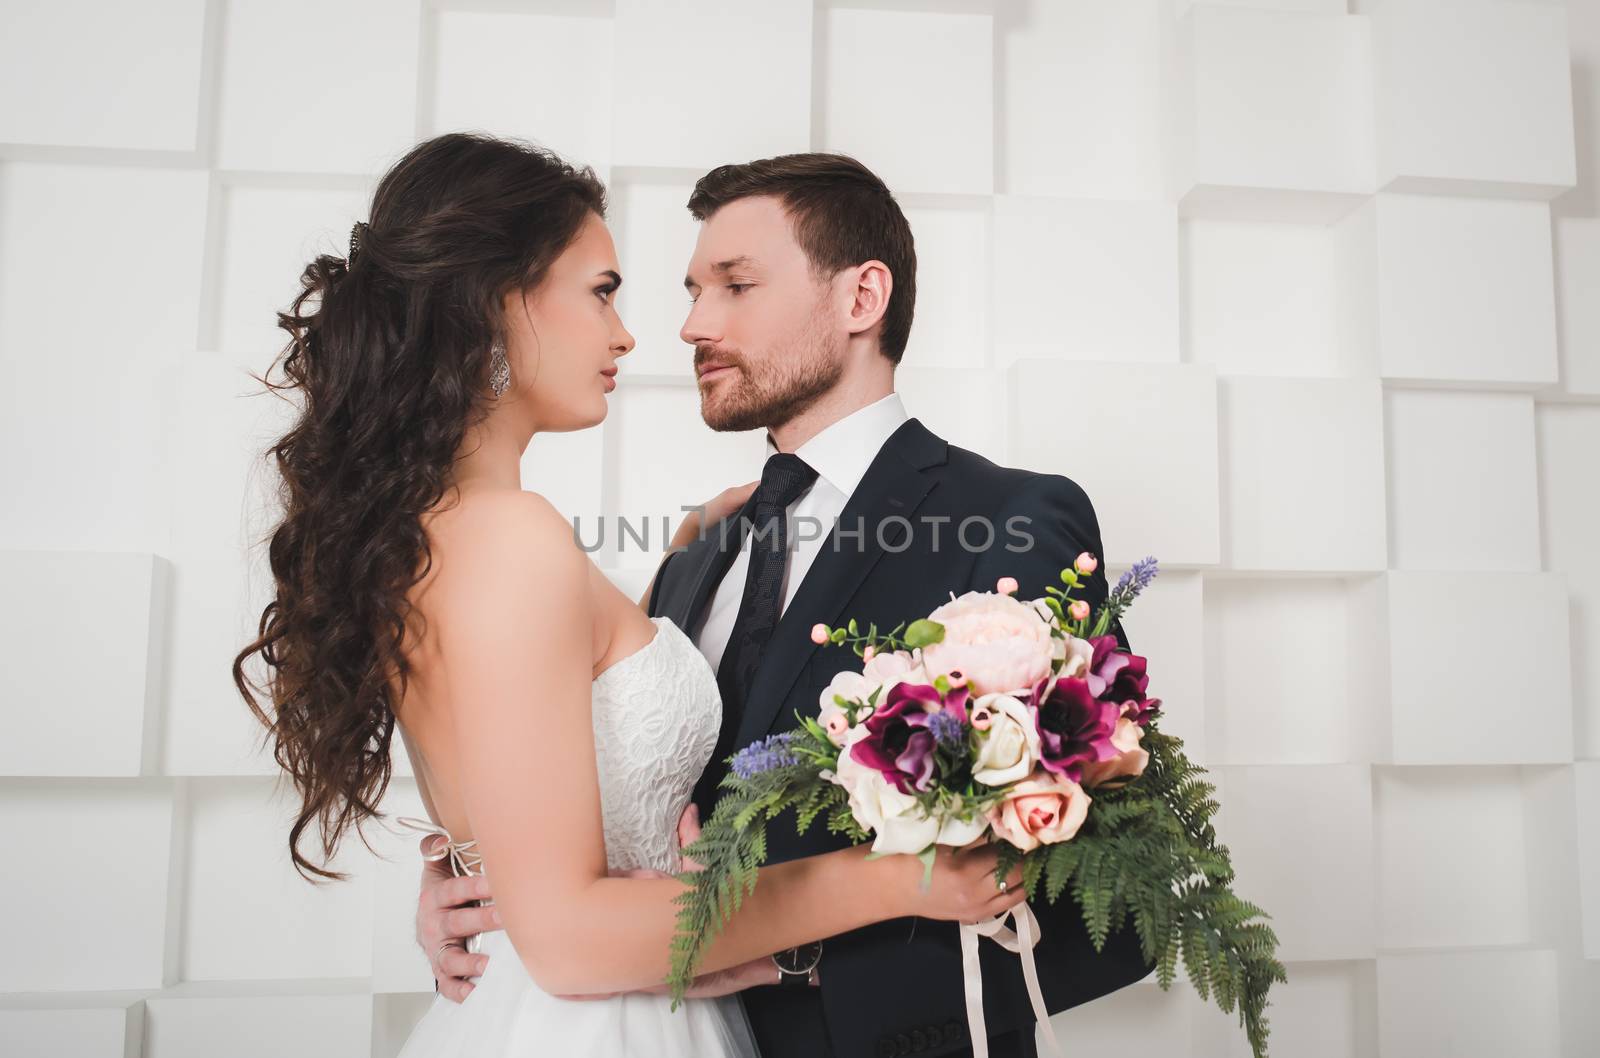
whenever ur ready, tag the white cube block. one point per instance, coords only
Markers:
(1584, 595)
(1463, 483)
(1279, 299)
(1085, 280)
(1446, 708)
(512, 74)
(1161, 627)
(398, 965)
(1569, 439)
(1285, 682)
(1301, 838)
(1577, 241)
(655, 481)
(394, 1016)
(1587, 776)
(217, 600)
(268, 237)
(951, 402)
(1439, 884)
(1138, 1019)
(134, 82)
(223, 480)
(1082, 111)
(83, 639)
(1481, 1004)
(312, 1019)
(1274, 113)
(655, 238)
(1138, 479)
(665, 114)
(82, 1025)
(247, 913)
(940, 134)
(1466, 290)
(951, 327)
(273, 115)
(1474, 97)
(1319, 7)
(1324, 1010)
(1302, 474)
(94, 883)
(91, 478)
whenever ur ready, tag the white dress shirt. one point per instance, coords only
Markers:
(840, 454)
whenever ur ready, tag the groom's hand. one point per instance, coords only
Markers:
(444, 923)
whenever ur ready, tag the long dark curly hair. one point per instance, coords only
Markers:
(388, 360)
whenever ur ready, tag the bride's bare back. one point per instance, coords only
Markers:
(617, 628)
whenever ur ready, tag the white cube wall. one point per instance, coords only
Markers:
(1473, 95)
(674, 109)
(1134, 477)
(1444, 709)
(1289, 286)
(83, 639)
(1463, 488)
(1317, 447)
(133, 83)
(1085, 280)
(84, 933)
(1275, 112)
(300, 116)
(939, 135)
(514, 75)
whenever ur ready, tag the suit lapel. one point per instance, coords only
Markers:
(893, 487)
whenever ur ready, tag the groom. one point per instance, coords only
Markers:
(803, 283)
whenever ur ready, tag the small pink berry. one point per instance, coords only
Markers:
(837, 725)
(956, 677)
(869, 652)
(1079, 610)
(819, 634)
(1006, 586)
(1086, 564)
(981, 720)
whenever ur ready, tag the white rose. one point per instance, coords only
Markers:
(958, 834)
(897, 820)
(1007, 751)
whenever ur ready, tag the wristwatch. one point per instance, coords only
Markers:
(797, 967)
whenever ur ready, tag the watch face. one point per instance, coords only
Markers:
(801, 960)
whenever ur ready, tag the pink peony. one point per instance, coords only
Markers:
(999, 643)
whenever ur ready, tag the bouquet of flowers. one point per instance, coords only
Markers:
(1019, 721)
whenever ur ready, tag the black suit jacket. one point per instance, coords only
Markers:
(896, 987)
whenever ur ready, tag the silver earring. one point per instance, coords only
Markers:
(499, 369)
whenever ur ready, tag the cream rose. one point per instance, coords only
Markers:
(1131, 758)
(1008, 750)
(1043, 810)
(896, 820)
(998, 642)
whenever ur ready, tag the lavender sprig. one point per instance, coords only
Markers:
(767, 754)
(948, 732)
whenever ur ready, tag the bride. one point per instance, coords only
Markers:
(558, 731)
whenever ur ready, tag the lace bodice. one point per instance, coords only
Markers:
(656, 716)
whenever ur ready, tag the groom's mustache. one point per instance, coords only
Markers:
(706, 359)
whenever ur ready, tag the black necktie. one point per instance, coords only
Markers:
(783, 479)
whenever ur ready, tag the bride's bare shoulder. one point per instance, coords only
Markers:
(506, 535)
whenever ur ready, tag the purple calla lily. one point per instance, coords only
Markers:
(1117, 676)
(899, 742)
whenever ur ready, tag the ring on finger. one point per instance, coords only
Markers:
(1004, 885)
(442, 947)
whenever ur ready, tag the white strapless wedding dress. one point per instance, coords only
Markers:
(656, 716)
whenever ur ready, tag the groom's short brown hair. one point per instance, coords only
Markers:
(843, 215)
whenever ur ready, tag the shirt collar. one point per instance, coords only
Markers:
(842, 451)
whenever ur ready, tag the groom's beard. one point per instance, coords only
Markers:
(779, 387)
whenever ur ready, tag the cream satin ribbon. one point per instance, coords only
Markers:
(464, 859)
(1021, 941)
